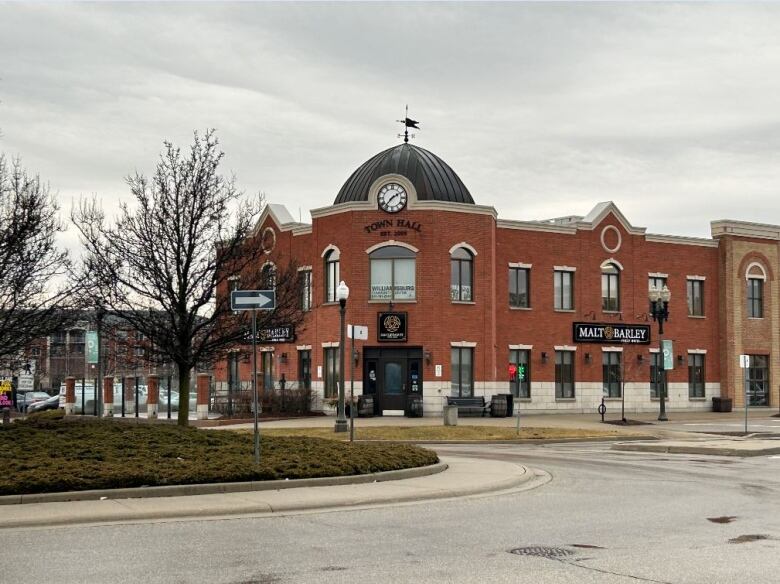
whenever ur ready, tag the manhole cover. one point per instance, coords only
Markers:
(541, 551)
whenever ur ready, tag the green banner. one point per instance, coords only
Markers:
(92, 347)
(666, 347)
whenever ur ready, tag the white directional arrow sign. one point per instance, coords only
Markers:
(253, 299)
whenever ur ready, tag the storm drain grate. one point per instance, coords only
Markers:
(541, 551)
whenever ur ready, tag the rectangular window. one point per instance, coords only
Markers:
(393, 279)
(610, 289)
(520, 373)
(755, 298)
(462, 372)
(657, 282)
(612, 374)
(304, 278)
(757, 380)
(267, 366)
(563, 287)
(139, 351)
(519, 288)
(695, 298)
(304, 369)
(695, 374)
(564, 374)
(657, 375)
(332, 269)
(331, 371)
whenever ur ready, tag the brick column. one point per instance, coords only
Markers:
(202, 403)
(129, 396)
(108, 396)
(70, 395)
(152, 396)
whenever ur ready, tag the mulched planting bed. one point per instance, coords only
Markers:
(46, 453)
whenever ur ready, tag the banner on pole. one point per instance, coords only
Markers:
(668, 351)
(92, 347)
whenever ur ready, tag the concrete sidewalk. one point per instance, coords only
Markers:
(709, 445)
(463, 477)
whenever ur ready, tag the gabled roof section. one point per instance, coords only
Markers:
(601, 211)
(281, 216)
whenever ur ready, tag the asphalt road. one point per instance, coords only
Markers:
(637, 517)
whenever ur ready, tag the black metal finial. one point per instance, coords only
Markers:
(408, 123)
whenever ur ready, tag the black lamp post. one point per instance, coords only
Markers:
(659, 299)
(342, 293)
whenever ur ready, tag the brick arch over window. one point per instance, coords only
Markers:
(755, 257)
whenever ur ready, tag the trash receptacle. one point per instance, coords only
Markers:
(510, 404)
(721, 404)
(450, 415)
(498, 406)
(414, 406)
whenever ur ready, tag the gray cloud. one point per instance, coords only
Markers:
(543, 109)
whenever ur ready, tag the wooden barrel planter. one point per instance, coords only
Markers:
(498, 406)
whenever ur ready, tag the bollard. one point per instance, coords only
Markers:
(70, 396)
(202, 404)
(108, 397)
(602, 410)
(152, 396)
(450, 415)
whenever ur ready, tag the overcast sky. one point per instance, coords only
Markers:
(670, 110)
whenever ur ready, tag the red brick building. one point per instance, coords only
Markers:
(460, 302)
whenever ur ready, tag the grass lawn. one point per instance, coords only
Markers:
(421, 433)
(46, 453)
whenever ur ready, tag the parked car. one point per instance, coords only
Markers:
(48, 404)
(25, 400)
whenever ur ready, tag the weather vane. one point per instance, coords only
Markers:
(408, 123)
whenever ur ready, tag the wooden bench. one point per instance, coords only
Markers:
(469, 406)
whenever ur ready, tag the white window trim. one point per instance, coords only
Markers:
(657, 275)
(697, 351)
(656, 350)
(519, 265)
(564, 348)
(266, 349)
(564, 269)
(462, 344)
(330, 248)
(749, 276)
(465, 245)
(695, 277)
(520, 347)
(613, 261)
(303, 347)
(304, 269)
(267, 263)
(330, 344)
(390, 242)
(611, 349)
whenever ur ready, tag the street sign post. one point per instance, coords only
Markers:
(744, 363)
(254, 300)
(360, 333)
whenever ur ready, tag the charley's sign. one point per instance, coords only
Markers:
(590, 332)
(277, 334)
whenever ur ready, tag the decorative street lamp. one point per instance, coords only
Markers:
(342, 293)
(659, 299)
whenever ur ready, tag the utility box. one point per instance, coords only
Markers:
(450, 415)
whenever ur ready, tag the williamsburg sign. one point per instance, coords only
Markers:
(631, 334)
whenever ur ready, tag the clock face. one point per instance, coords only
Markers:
(392, 198)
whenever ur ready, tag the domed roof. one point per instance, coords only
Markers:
(433, 178)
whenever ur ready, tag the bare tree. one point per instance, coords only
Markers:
(34, 290)
(160, 265)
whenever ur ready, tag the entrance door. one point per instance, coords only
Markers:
(391, 375)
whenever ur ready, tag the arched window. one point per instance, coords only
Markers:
(610, 287)
(393, 273)
(331, 274)
(268, 277)
(755, 276)
(462, 278)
